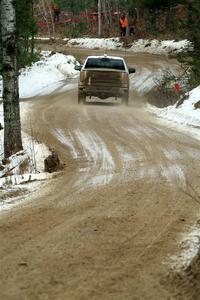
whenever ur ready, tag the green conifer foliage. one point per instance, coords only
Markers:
(26, 30)
(194, 36)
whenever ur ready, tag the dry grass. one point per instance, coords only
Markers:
(24, 167)
(197, 105)
(13, 193)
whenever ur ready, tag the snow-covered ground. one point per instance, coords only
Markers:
(95, 43)
(46, 75)
(24, 166)
(185, 116)
(143, 81)
(189, 244)
(159, 47)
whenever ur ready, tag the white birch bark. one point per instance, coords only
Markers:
(45, 16)
(12, 124)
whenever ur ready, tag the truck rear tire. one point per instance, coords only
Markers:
(81, 98)
(125, 99)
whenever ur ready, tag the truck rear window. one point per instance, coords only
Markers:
(105, 63)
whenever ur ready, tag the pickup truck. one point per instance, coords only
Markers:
(104, 77)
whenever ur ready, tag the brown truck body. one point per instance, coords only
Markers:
(104, 77)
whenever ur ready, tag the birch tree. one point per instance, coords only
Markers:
(12, 124)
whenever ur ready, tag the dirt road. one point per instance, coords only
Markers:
(104, 228)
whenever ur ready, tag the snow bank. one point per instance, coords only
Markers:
(31, 158)
(26, 166)
(94, 43)
(141, 45)
(185, 114)
(159, 47)
(46, 75)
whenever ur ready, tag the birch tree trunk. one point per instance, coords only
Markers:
(12, 124)
(45, 16)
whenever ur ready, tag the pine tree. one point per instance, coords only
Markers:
(194, 36)
(26, 29)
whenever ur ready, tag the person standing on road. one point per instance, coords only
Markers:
(123, 25)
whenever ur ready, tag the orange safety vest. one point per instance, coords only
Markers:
(123, 23)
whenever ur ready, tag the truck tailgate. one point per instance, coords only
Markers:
(100, 77)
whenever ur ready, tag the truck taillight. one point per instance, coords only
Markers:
(82, 76)
(125, 78)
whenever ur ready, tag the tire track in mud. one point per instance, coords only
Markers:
(151, 153)
(100, 160)
(99, 164)
(148, 156)
(141, 152)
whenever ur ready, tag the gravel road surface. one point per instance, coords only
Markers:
(106, 226)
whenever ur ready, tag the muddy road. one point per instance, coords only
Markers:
(106, 226)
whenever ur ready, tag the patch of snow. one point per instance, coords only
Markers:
(172, 154)
(88, 142)
(68, 141)
(190, 246)
(15, 161)
(99, 159)
(100, 180)
(20, 184)
(128, 156)
(159, 47)
(143, 80)
(46, 75)
(15, 180)
(175, 174)
(32, 159)
(42, 38)
(185, 115)
(95, 43)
